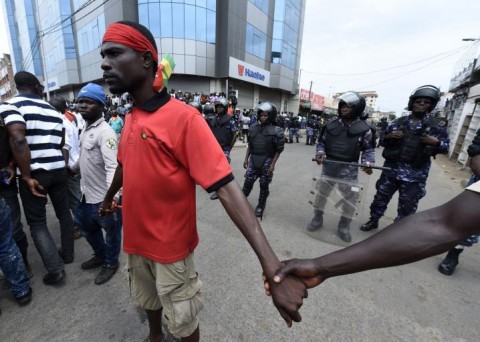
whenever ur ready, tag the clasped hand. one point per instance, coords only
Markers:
(107, 207)
(287, 297)
(292, 272)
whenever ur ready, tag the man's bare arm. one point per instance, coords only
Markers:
(413, 238)
(117, 183)
(22, 156)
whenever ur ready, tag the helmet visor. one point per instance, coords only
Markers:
(264, 107)
(350, 99)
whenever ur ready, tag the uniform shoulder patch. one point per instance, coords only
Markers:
(111, 144)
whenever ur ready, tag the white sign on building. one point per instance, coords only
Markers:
(247, 72)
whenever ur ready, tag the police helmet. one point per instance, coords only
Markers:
(353, 100)
(313, 117)
(268, 108)
(427, 91)
(208, 109)
(221, 101)
(196, 105)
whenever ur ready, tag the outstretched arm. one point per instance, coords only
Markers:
(413, 238)
(108, 206)
(288, 296)
(22, 156)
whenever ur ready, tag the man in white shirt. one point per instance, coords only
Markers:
(71, 152)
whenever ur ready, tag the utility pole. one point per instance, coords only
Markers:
(45, 74)
(41, 34)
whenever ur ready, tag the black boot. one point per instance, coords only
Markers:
(371, 224)
(344, 229)
(317, 221)
(297, 140)
(247, 188)
(447, 266)
(262, 201)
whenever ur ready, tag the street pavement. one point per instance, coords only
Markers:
(408, 303)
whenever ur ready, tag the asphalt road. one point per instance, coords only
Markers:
(409, 303)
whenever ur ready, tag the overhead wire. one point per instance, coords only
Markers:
(409, 72)
(54, 28)
(74, 21)
(390, 68)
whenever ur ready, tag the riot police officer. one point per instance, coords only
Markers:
(197, 105)
(294, 129)
(310, 129)
(224, 129)
(410, 142)
(343, 139)
(381, 127)
(265, 143)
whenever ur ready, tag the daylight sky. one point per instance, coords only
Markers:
(413, 42)
(353, 38)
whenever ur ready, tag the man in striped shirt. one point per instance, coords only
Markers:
(36, 139)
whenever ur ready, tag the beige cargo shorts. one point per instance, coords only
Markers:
(174, 287)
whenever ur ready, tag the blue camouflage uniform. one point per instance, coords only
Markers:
(294, 129)
(265, 142)
(252, 173)
(232, 128)
(348, 173)
(404, 177)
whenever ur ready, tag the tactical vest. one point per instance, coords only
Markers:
(410, 149)
(261, 142)
(343, 142)
(220, 130)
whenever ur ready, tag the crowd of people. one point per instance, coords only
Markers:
(87, 156)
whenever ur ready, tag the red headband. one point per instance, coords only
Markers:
(129, 36)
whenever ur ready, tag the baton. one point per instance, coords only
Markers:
(357, 164)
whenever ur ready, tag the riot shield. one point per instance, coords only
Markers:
(337, 199)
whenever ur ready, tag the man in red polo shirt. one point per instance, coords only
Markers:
(160, 161)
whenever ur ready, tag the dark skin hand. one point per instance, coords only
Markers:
(109, 205)
(247, 155)
(413, 238)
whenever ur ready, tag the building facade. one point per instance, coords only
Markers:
(462, 111)
(7, 85)
(251, 47)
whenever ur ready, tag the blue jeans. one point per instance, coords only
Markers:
(91, 225)
(11, 261)
(55, 185)
(10, 194)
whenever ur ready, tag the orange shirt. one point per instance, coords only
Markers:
(165, 149)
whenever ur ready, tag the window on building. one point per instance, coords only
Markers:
(256, 41)
(285, 32)
(188, 19)
(91, 35)
(262, 4)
